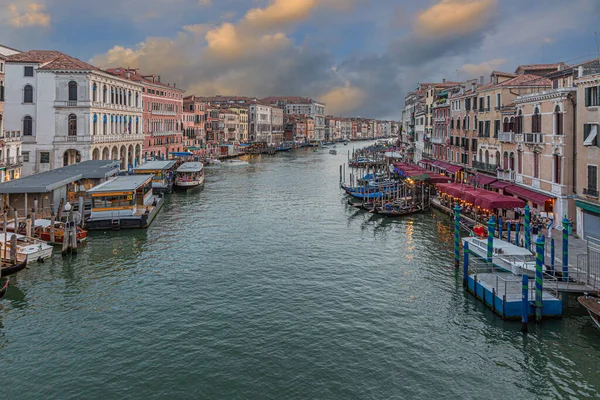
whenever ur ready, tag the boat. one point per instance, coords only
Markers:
(389, 210)
(42, 230)
(345, 143)
(505, 255)
(3, 290)
(235, 163)
(333, 151)
(189, 175)
(33, 249)
(163, 174)
(8, 267)
(592, 305)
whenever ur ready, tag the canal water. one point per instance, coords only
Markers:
(265, 285)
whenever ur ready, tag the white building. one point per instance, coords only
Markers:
(259, 123)
(420, 118)
(10, 142)
(302, 106)
(70, 111)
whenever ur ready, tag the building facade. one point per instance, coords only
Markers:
(276, 125)
(194, 121)
(259, 123)
(302, 106)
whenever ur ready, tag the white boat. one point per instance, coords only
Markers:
(189, 175)
(332, 151)
(34, 249)
(592, 305)
(506, 256)
(235, 163)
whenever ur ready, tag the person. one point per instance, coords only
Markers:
(535, 232)
(550, 228)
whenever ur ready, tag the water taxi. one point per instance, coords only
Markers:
(34, 249)
(189, 175)
(123, 202)
(591, 303)
(163, 174)
(505, 255)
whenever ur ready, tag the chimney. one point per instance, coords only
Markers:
(159, 78)
(580, 71)
(481, 79)
(127, 74)
(444, 80)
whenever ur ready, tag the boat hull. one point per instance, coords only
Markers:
(592, 306)
(189, 184)
(12, 269)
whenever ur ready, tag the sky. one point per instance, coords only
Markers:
(360, 57)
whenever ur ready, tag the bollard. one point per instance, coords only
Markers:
(456, 236)
(52, 223)
(517, 228)
(508, 232)
(525, 304)
(565, 249)
(539, 276)
(465, 263)
(552, 252)
(490, 247)
(500, 228)
(527, 227)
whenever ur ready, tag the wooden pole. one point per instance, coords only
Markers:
(52, 222)
(5, 222)
(82, 223)
(13, 249)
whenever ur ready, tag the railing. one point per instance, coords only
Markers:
(71, 139)
(590, 192)
(116, 138)
(438, 140)
(165, 133)
(122, 107)
(506, 175)
(485, 166)
(162, 112)
(558, 140)
(70, 103)
(14, 161)
(531, 138)
(506, 137)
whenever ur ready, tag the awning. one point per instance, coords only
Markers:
(494, 201)
(452, 169)
(180, 153)
(425, 162)
(500, 185)
(535, 197)
(436, 163)
(483, 180)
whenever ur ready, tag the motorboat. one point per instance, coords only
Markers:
(505, 255)
(235, 163)
(43, 231)
(189, 175)
(592, 305)
(333, 151)
(34, 249)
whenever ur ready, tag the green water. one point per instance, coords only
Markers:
(265, 285)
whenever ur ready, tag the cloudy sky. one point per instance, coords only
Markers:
(359, 56)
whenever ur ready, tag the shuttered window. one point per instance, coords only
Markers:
(592, 183)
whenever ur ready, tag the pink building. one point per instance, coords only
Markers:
(194, 123)
(163, 113)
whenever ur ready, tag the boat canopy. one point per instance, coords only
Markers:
(191, 167)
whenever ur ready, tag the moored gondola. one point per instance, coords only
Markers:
(9, 269)
(3, 290)
(398, 211)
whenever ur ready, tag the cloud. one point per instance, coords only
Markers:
(204, 3)
(340, 100)
(455, 17)
(484, 68)
(280, 12)
(32, 15)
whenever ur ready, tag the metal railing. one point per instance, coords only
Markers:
(485, 166)
(531, 138)
(590, 192)
(506, 137)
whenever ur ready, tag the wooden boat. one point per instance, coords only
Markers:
(9, 268)
(3, 290)
(190, 175)
(592, 305)
(396, 211)
(32, 248)
(59, 231)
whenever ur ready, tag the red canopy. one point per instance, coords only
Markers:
(452, 168)
(493, 200)
(535, 197)
(483, 180)
(500, 185)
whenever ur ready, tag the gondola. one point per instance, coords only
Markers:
(7, 269)
(3, 290)
(397, 212)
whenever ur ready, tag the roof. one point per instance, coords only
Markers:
(155, 165)
(190, 167)
(500, 73)
(289, 100)
(134, 75)
(47, 181)
(52, 60)
(537, 67)
(527, 80)
(121, 183)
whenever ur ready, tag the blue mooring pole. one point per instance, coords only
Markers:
(517, 229)
(552, 252)
(508, 232)
(490, 247)
(500, 228)
(525, 303)
(527, 227)
(465, 263)
(539, 276)
(565, 248)
(456, 236)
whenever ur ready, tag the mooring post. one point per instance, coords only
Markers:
(565, 249)
(465, 263)
(456, 236)
(82, 223)
(490, 247)
(340, 174)
(539, 276)
(52, 221)
(517, 229)
(552, 252)
(527, 227)
(13, 249)
(500, 228)
(525, 303)
(508, 232)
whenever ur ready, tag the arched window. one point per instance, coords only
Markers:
(505, 161)
(27, 126)
(497, 158)
(536, 165)
(519, 122)
(520, 162)
(104, 94)
(95, 127)
(511, 124)
(558, 121)
(536, 121)
(95, 92)
(104, 124)
(475, 123)
(28, 94)
(480, 155)
(72, 125)
(557, 168)
(137, 99)
(487, 157)
(112, 95)
(505, 125)
(129, 98)
(512, 161)
(72, 91)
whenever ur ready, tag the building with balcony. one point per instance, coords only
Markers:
(194, 121)
(463, 138)
(231, 125)
(276, 125)
(587, 145)
(296, 105)
(163, 110)
(242, 113)
(420, 137)
(69, 111)
(259, 122)
(11, 157)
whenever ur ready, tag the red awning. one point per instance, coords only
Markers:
(535, 197)
(494, 201)
(437, 178)
(425, 161)
(483, 180)
(436, 163)
(500, 185)
(453, 168)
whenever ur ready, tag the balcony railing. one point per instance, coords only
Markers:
(482, 166)
(14, 161)
(427, 155)
(506, 137)
(72, 139)
(438, 139)
(590, 192)
(116, 138)
(530, 138)
(506, 175)
(12, 136)
(163, 112)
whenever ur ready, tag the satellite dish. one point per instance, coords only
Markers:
(76, 217)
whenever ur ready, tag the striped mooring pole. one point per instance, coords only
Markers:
(517, 229)
(500, 228)
(465, 263)
(527, 227)
(552, 253)
(508, 232)
(539, 286)
(565, 249)
(490, 247)
(525, 303)
(456, 236)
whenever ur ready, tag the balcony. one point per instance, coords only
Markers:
(118, 107)
(506, 175)
(12, 136)
(116, 138)
(530, 138)
(14, 162)
(162, 112)
(506, 137)
(558, 140)
(590, 192)
(164, 133)
(427, 155)
(485, 166)
(438, 140)
(71, 103)
(72, 139)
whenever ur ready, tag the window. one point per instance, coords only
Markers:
(487, 103)
(72, 129)
(520, 162)
(592, 181)
(536, 165)
(592, 96)
(475, 123)
(28, 71)
(590, 135)
(496, 128)
(458, 123)
(27, 126)
(536, 121)
(45, 157)
(558, 121)
(481, 104)
(557, 169)
(519, 122)
(25, 156)
(95, 92)
(28, 94)
(481, 128)
(505, 160)
(104, 94)
(498, 100)
(72, 91)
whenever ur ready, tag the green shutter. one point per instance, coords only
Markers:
(587, 97)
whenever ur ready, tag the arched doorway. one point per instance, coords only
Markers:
(96, 154)
(114, 154)
(130, 155)
(105, 154)
(70, 157)
(122, 157)
(138, 154)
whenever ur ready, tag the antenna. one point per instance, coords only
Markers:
(597, 46)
